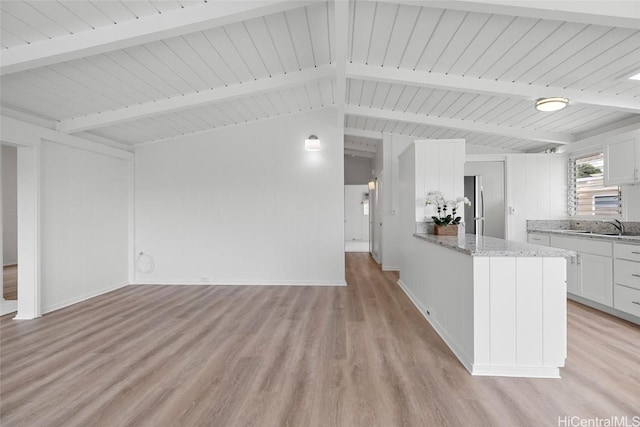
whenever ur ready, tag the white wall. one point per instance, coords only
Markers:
(84, 224)
(244, 204)
(357, 170)
(537, 189)
(9, 205)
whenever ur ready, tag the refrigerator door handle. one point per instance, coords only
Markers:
(482, 207)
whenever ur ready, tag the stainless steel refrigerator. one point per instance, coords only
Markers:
(474, 214)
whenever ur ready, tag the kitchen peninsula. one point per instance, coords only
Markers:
(499, 305)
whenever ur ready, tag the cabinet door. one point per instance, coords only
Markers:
(621, 162)
(572, 275)
(595, 278)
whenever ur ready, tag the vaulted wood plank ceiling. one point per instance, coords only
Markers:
(134, 72)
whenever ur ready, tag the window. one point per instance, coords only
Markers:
(588, 196)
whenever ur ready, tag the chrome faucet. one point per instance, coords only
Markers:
(617, 224)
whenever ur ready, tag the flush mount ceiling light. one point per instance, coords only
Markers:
(551, 104)
(635, 77)
(312, 143)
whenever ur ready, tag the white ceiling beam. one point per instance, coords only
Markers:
(443, 122)
(490, 87)
(357, 153)
(340, 37)
(624, 14)
(363, 133)
(359, 147)
(181, 102)
(139, 31)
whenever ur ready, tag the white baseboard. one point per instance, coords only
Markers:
(609, 310)
(81, 298)
(457, 351)
(390, 268)
(11, 264)
(376, 259)
(239, 283)
(516, 371)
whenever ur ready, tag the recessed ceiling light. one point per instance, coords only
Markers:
(551, 104)
(635, 77)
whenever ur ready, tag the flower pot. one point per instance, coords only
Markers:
(445, 230)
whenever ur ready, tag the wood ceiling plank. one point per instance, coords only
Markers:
(385, 22)
(576, 60)
(210, 55)
(460, 43)
(185, 53)
(501, 44)
(115, 10)
(147, 68)
(566, 51)
(136, 32)
(121, 68)
(296, 21)
(482, 42)
(88, 13)
(259, 34)
(162, 59)
(277, 27)
(406, 20)
(519, 57)
(28, 13)
(19, 30)
(246, 51)
(443, 35)
(361, 30)
(229, 54)
(320, 27)
(422, 33)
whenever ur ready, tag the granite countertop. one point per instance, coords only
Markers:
(578, 233)
(473, 245)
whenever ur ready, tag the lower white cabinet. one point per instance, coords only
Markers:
(595, 278)
(590, 273)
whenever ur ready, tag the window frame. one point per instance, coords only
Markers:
(572, 192)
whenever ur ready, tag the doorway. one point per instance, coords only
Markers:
(356, 218)
(9, 212)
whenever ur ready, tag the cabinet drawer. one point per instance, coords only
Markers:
(626, 273)
(626, 299)
(587, 246)
(538, 239)
(630, 252)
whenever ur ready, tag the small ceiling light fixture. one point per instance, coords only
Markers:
(635, 77)
(372, 185)
(312, 143)
(551, 104)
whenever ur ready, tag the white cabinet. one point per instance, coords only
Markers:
(626, 291)
(590, 274)
(538, 239)
(595, 278)
(622, 161)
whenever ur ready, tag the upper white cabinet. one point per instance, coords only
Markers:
(622, 161)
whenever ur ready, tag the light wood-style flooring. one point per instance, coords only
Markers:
(359, 355)
(10, 282)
